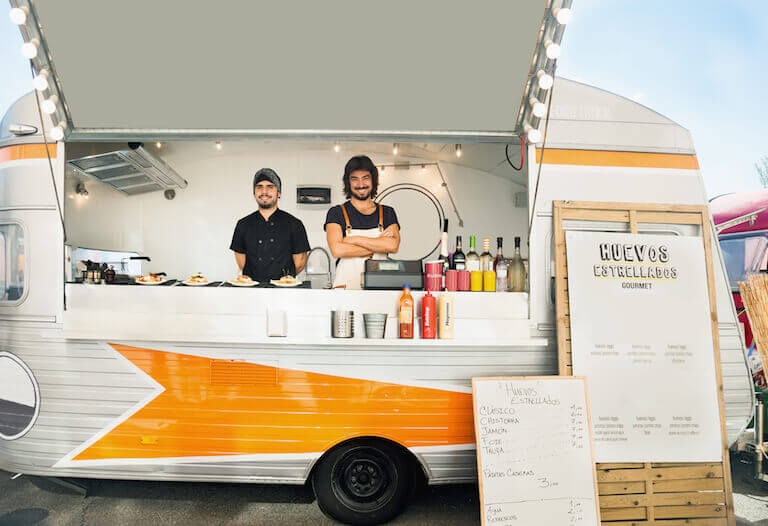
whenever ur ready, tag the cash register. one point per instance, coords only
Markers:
(392, 274)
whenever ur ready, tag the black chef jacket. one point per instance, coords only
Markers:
(269, 245)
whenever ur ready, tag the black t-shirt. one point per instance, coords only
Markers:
(269, 245)
(358, 220)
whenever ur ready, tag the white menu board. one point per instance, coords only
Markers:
(641, 333)
(534, 454)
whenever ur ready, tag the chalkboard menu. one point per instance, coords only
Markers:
(534, 451)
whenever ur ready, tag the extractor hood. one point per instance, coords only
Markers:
(132, 170)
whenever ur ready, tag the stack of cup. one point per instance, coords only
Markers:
(465, 280)
(451, 280)
(434, 275)
(375, 323)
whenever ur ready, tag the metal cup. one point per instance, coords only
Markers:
(342, 324)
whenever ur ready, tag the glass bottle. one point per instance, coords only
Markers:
(444, 247)
(473, 260)
(486, 260)
(516, 270)
(501, 266)
(459, 260)
(499, 254)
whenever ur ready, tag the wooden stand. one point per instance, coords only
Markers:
(650, 493)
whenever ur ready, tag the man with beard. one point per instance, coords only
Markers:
(269, 243)
(359, 228)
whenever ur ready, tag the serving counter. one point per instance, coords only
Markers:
(239, 315)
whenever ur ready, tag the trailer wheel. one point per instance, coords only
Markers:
(363, 482)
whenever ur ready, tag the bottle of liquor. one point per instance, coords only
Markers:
(406, 313)
(459, 260)
(501, 266)
(516, 270)
(444, 247)
(473, 260)
(486, 260)
(499, 254)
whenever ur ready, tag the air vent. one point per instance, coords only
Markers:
(131, 172)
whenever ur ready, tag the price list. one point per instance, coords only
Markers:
(534, 451)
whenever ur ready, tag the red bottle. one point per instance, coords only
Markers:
(428, 316)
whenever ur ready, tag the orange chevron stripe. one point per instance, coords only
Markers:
(214, 407)
(26, 151)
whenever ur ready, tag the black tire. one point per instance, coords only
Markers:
(363, 482)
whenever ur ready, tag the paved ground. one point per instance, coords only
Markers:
(31, 501)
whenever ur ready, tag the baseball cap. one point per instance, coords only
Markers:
(267, 174)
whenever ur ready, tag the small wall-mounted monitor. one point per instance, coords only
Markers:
(313, 195)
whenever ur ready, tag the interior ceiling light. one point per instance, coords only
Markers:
(458, 150)
(532, 134)
(49, 105)
(563, 15)
(18, 15)
(218, 145)
(40, 82)
(545, 79)
(395, 149)
(57, 132)
(538, 108)
(552, 50)
(29, 49)
(336, 147)
(81, 190)
(158, 144)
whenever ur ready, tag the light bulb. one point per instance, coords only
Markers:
(533, 135)
(563, 15)
(395, 149)
(49, 105)
(458, 150)
(423, 168)
(158, 144)
(538, 108)
(218, 145)
(336, 147)
(85, 195)
(552, 49)
(29, 49)
(545, 79)
(19, 15)
(40, 82)
(57, 132)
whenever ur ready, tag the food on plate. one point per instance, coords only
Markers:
(198, 278)
(243, 279)
(149, 278)
(285, 280)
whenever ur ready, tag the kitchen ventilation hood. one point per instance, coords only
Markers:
(132, 170)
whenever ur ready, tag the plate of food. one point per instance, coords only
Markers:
(286, 281)
(198, 280)
(243, 281)
(150, 279)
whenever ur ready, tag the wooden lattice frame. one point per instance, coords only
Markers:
(650, 493)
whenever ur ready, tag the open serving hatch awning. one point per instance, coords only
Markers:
(341, 69)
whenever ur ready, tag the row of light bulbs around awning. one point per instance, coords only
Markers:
(49, 106)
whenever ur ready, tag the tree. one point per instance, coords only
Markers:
(762, 170)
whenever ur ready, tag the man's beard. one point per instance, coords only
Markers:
(267, 206)
(357, 194)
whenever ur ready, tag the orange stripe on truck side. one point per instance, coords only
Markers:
(26, 151)
(213, 407)
(627, 159)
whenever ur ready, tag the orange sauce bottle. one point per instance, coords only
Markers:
(405, 313)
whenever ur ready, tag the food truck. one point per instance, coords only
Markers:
(144, 165)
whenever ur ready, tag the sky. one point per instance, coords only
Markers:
(703, 64)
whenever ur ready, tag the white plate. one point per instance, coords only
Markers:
(238, 284)
(196, 283)
(151, 282)
(278, 284)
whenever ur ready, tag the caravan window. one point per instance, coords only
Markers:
(744, 255)
(11, 262)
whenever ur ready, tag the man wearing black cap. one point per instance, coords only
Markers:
(269, 243)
